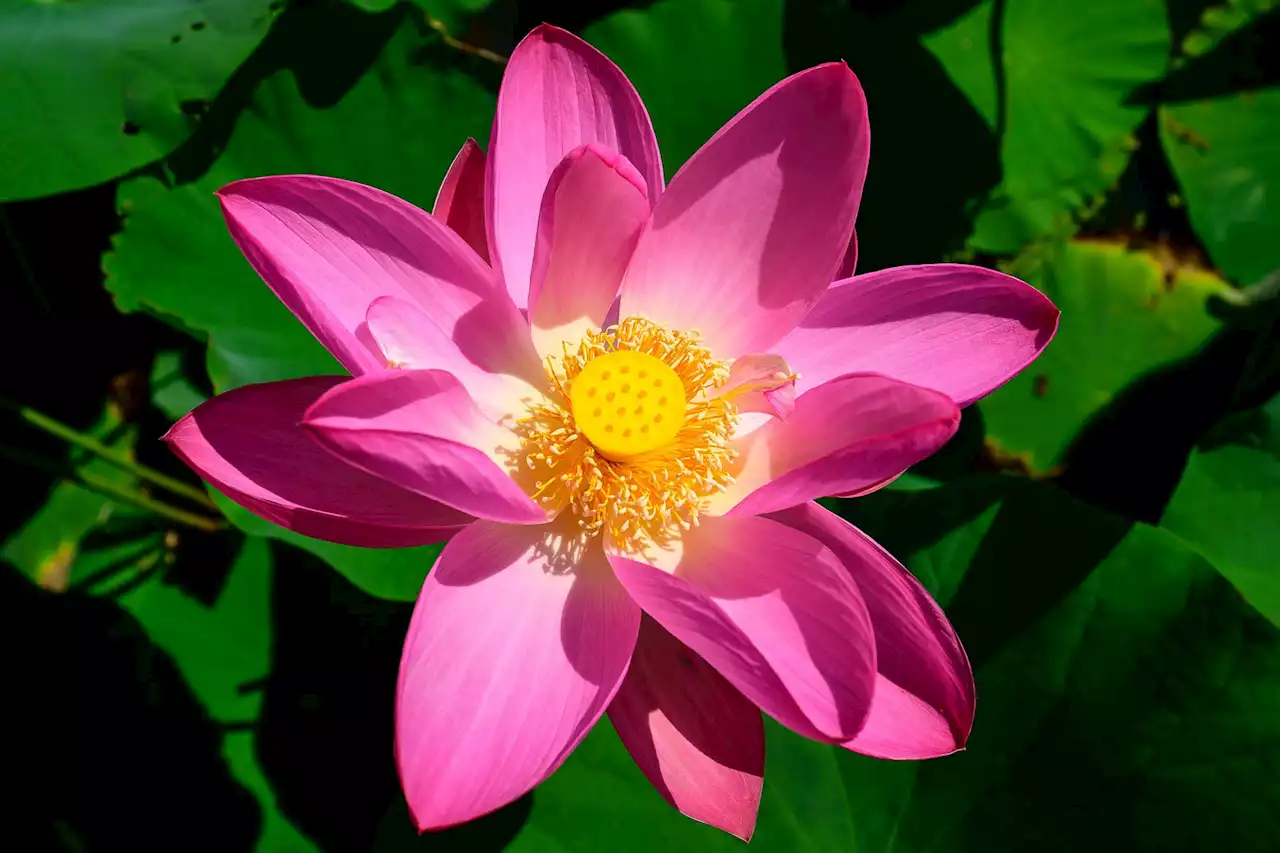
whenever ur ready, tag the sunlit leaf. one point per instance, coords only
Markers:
(97, 88)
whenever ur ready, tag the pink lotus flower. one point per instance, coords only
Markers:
(628, 504)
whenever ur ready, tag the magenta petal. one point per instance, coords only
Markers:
(700, 741)
(558, 93)
(420, 430)
(508, 664)
(849, 263)
(328, 248)
(592, 212)
(845, 436)
(866, 490)
(498, 370)
(248, 443)
(924, 700)
(753, 228)
(958, 329)
(460, 202)
(774, 612)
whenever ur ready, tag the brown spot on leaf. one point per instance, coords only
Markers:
(995, 459)
(54, 571)
(1039, 385)
(1184, 134)
(1172, 260)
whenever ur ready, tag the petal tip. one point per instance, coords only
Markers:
(613, 160)
(238, 187)
(838, 72)
(548, 32)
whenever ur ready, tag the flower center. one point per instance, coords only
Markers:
(627, 403)
(632, 440)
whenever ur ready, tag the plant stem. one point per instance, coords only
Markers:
(43, 422)
(111, 490)
(458, 44)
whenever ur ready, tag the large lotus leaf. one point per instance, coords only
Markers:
(397, 128)
(695, 63)
(1123, 315)
(1225, 506)
(96, 88)
(1070, 72)
(1223, 154)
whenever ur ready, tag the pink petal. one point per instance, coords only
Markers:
(558, 93)
(592, 212)
(501, 372)
(959, 329)
(460, 202)
(508, 663)
(248, 443)
(420, 430)
(844, 436)
(328, 248)
(700, 742)
(774, 612)
(924, 700)
(752, 229)
(761, 382)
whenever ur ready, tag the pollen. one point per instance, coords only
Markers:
(640, 466)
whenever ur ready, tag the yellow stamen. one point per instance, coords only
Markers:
(643, 487)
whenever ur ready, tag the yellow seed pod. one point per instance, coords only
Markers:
(627, 403)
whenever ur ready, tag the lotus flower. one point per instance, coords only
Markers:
(617, 400)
